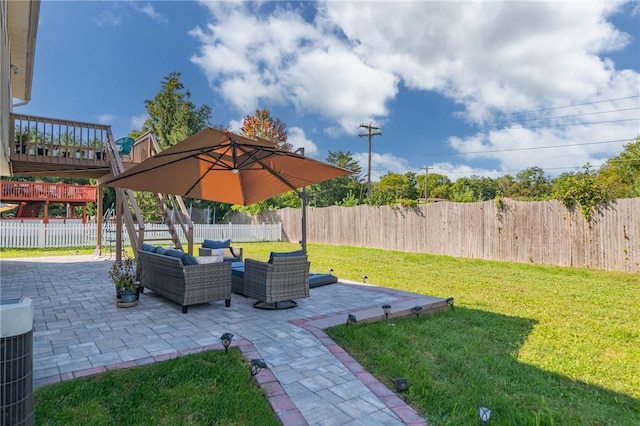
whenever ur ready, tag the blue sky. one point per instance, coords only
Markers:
(465, 88)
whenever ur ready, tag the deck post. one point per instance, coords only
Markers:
(99, 214)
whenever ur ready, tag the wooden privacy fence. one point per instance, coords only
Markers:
(39, 235)
(533, 232)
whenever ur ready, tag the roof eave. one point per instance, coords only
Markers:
(23, 29)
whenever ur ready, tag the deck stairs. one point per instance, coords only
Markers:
(151, 217)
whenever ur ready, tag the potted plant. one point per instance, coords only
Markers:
(123, 274)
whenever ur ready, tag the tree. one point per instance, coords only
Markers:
(583, 190)
(532, 184)
(336, 191)
(462, 191)
(438, 185)
(620, 175)
(506, 186)
(394, 187)
(262, 125)
(172, 115)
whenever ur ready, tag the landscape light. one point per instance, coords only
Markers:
(351, 319)
(364, 279)
(450, 303)
(256, 366)
(386, 309)
(226, 340)
(417, 310)
(401, 384)
(483, 414)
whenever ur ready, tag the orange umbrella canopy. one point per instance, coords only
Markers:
(222, 166)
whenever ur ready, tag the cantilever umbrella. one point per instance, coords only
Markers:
(222, 166)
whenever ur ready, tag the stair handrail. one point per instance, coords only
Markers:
(117, 167)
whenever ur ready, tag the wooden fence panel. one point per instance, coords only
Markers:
(530, 232)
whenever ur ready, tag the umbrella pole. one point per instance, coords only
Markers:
(303, 196)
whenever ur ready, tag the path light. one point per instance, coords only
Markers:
(257, 365)
(386, 309)
(331, 270)
(401, 384)
(226, 340)
(364, 279)
(351, 319)
(417, 310)
(483, 414)
(450, 303)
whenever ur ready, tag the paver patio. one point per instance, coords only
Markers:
(79, 331)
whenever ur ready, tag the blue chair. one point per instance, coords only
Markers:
(124, 145)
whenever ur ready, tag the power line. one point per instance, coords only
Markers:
(580, 124)
(570, 106)
(571, 116)
(530, 148)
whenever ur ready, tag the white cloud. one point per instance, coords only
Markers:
(503, 56)
(297, 139)
(115, 11)
(381, 164)
(148, 9)
(107, 18)
(105, 118)
(137, 121)
(492, 58)
(281, 59)
(236, 125)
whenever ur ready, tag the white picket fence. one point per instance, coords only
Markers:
(14, 234)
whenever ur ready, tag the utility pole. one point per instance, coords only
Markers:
(370, 133)
(426, 183)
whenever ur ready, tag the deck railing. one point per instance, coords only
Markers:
(52, 192)
(54, 137)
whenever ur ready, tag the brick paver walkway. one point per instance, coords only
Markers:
(79, 331)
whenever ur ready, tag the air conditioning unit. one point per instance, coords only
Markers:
(16, 361)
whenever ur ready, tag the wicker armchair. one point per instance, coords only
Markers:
(276, 283)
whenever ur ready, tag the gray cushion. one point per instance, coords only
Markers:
(187, 259)
(214, 244)
(317, 280)
(148, 247)
(286, 254)
(174, 253)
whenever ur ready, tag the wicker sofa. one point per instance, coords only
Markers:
(277, 282)
(186, 285)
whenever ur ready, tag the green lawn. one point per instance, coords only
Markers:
(536, 344)
(213, 388)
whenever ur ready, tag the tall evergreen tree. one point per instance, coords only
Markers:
(172, 115)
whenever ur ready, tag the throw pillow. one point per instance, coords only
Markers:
(161, 250)
(201, 260)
